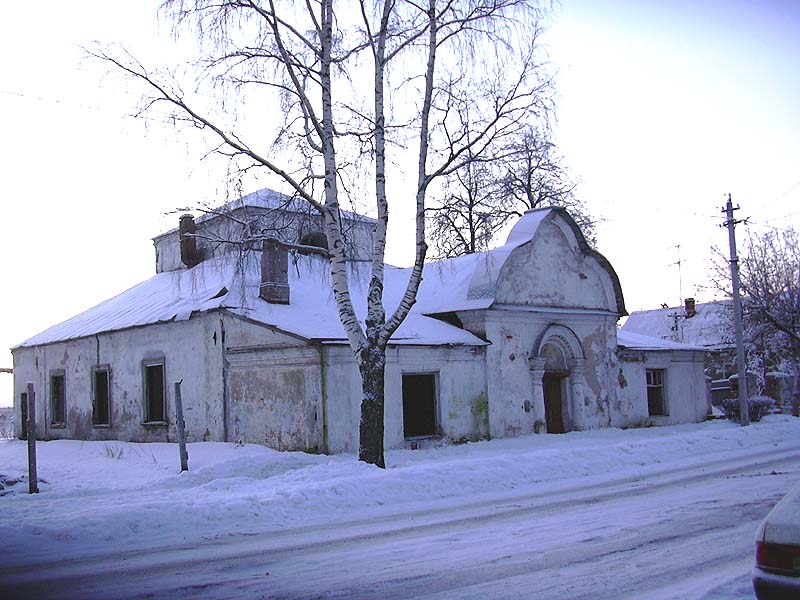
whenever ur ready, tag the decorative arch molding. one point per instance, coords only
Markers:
(563, 337)
(574, 398)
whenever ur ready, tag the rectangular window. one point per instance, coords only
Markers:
(656, 393)
(419, 405)
(101, 413)
(58, 399)
(154, 392)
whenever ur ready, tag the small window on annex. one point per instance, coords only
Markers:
(419, 405)
(656, 393)
(58, 398)
(154, 398)
(101, 401)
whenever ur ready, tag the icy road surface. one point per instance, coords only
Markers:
(656, 513)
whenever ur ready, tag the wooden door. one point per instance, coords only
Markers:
(554, 417)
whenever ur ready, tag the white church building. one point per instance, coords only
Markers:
(516, 340)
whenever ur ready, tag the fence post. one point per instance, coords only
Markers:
(181, 427)
(33, 482)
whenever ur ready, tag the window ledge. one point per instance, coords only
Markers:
(101, 425)
(58, 425)
(154, 424)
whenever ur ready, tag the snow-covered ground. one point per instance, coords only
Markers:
(643, 513)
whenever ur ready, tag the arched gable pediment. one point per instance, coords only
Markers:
(558, 268)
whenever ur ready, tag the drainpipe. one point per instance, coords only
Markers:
(225, 367)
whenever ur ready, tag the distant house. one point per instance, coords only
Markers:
(515, 340)
(708, 325)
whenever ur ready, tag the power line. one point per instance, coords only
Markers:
(796, 184)
(165, 119)
(773, 227)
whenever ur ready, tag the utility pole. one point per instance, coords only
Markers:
(730, 223)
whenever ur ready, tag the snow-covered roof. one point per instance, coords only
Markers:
(710, 326)
(637, 341)
(470, 282)
(463, 283)
(270, 200)
(224, 283)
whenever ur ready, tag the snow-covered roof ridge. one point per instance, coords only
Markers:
(268, 199)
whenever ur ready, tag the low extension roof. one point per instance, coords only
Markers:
(637, 341)
(710, 327)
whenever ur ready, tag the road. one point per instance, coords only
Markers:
(683, 533)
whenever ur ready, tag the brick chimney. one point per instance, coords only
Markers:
(274, 286)
(689, 305)
(187, 228)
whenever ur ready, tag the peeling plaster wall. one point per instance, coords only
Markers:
(273, 387)
(342, 383)
(274, 397)
(461, 405)
(514, 335)
(685, 385)
(241, 333)
(189, 352)
(547, 282)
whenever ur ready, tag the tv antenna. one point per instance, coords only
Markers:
(680, 281)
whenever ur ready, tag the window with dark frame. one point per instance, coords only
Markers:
(58, 399)
(154, 404)
(419, 405)
(656, 396)
(101, 405)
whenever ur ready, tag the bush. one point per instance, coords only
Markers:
(757, 405)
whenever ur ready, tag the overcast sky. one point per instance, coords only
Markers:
(664, 108)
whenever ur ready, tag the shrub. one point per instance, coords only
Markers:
(758, 406)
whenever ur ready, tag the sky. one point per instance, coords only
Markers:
(664, 108)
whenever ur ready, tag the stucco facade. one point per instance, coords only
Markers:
(518, 340)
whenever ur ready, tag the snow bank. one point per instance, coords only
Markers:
(132, 495)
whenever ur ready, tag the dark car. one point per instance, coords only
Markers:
(776, 575)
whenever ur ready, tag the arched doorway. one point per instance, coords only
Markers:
(557, 379)
(556, 408)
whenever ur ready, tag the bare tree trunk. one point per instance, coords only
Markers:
(372, 367)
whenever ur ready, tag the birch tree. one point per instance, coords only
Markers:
(355, 88)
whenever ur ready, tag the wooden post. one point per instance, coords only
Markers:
(33, 481)
(181, 427)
